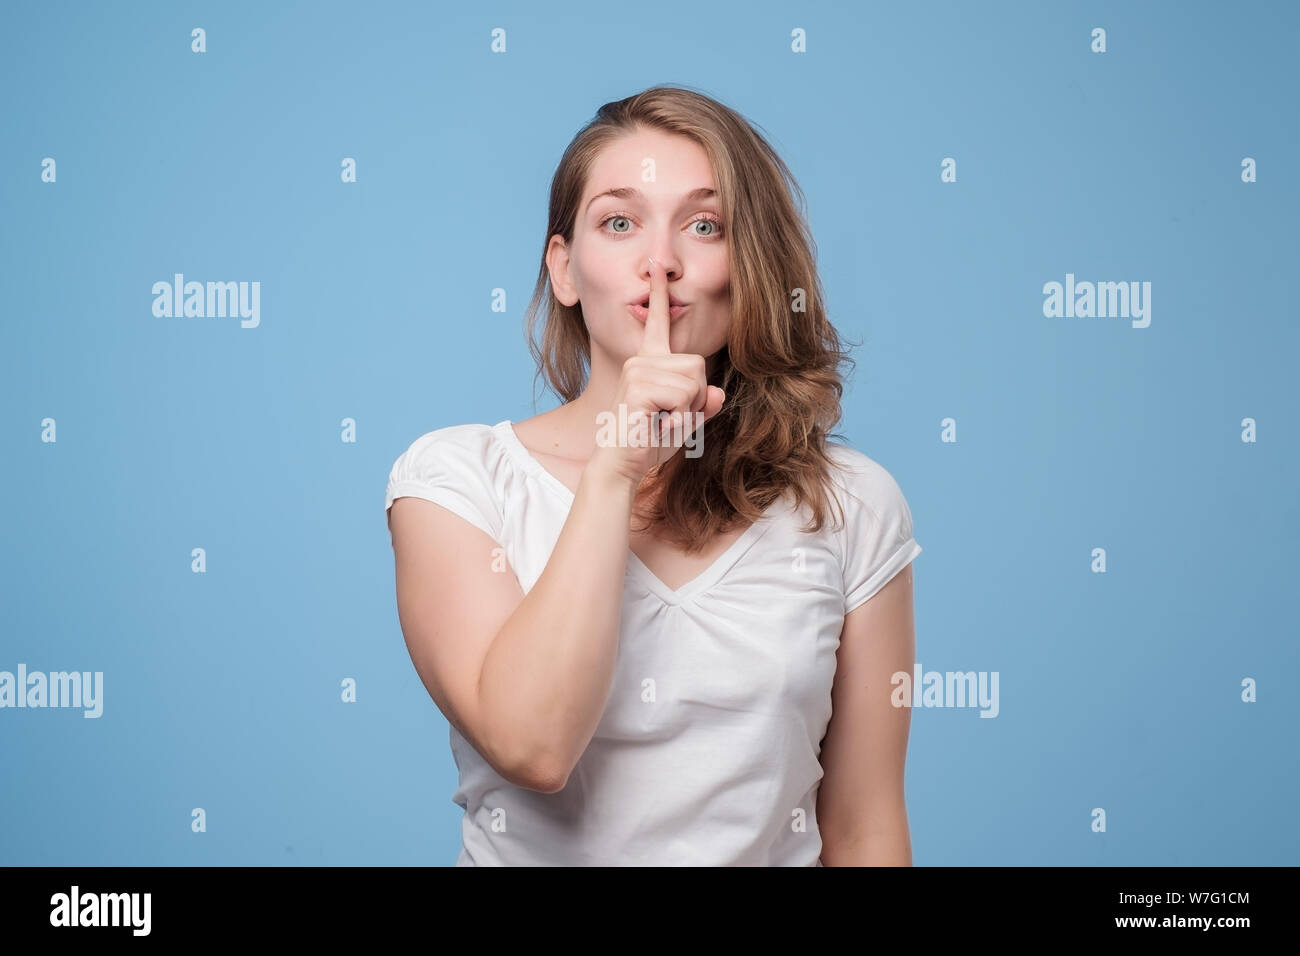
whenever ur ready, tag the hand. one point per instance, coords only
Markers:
(666, 396)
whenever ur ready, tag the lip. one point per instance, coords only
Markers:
(642, 313)
(672, 300)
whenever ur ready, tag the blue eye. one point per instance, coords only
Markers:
(708, 217)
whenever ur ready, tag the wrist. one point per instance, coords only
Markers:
(603, 473)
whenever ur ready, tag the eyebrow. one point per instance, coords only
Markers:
(627, 192)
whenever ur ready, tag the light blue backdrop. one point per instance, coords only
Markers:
(1119, 690)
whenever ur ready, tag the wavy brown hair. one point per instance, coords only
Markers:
(780, 367)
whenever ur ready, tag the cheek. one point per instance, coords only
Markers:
(595, 268)
(717, 331)
(721, 326)
(719, 280)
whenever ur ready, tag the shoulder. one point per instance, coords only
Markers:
(864, 482)
(462, 456)
(449, 445)
(458, 467)
(876, 539)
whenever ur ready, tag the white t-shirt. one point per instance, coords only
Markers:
(707, 751)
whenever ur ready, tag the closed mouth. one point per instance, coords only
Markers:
(645, 301)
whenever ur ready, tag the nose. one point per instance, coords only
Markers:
(666, 261)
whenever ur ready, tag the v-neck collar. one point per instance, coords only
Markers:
(637, 568)
(706, 578)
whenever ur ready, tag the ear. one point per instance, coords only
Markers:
(557, 263)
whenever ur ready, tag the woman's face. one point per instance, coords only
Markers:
(671, 218)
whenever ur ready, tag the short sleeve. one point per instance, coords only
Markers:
(877, 539)
(448, 467)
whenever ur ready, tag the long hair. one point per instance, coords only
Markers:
(780, 367)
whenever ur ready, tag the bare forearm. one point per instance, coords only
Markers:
(546, 676)
(883, 840)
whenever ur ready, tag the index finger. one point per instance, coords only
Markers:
(655, 341)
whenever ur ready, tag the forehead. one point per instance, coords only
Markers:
(679, 164)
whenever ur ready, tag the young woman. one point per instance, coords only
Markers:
(662, 619)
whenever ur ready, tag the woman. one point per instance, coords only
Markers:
(635, 610)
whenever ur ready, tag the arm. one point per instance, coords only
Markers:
(861, 811)
(523, 678)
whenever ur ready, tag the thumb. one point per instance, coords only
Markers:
(713, 404)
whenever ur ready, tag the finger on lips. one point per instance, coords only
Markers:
(656, 338)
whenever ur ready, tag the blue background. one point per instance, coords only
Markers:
(222, 690)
